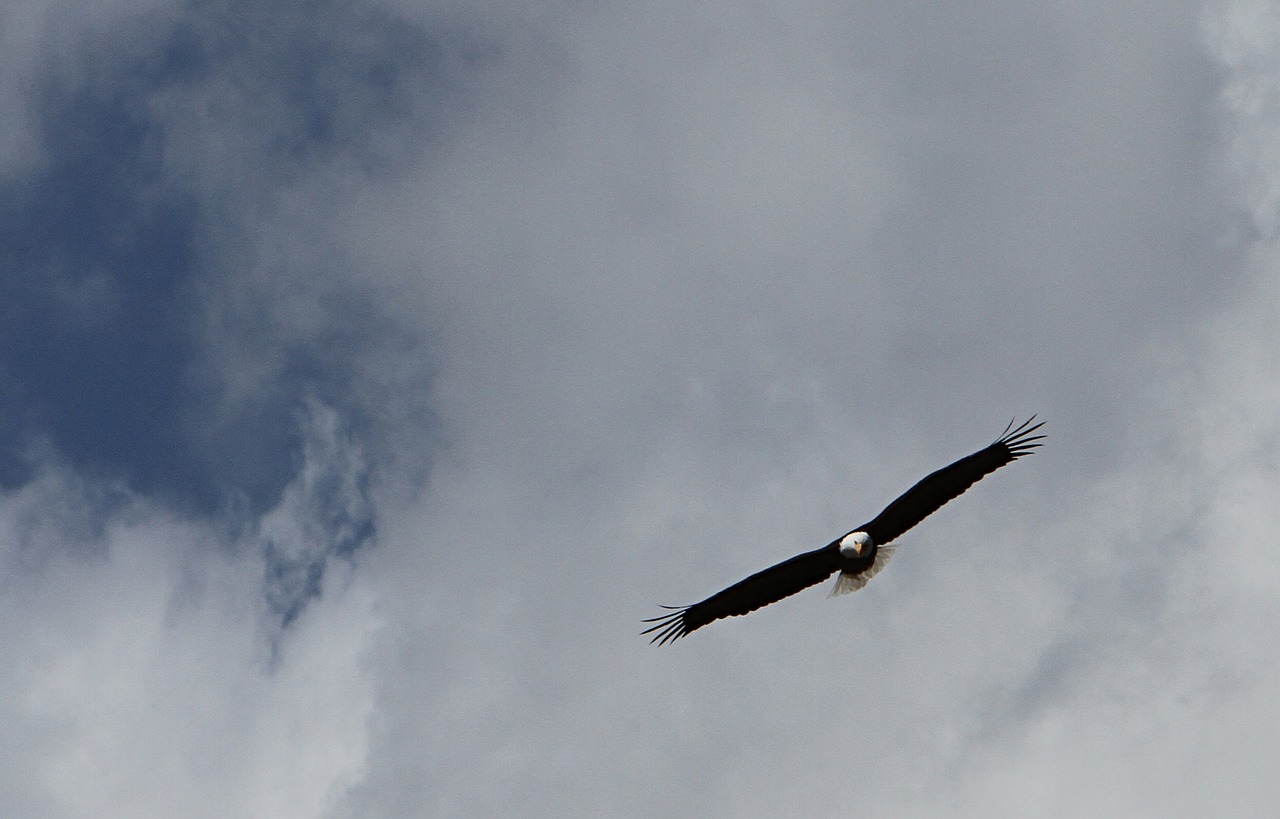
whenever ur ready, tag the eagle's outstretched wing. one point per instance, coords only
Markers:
(931, 493)
(760, 589)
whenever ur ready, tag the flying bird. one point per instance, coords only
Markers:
(857, 555)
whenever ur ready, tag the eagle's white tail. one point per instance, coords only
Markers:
(846, 583)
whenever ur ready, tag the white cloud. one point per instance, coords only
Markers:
(653, 378)
(142, 685)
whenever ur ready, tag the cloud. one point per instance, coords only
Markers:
(141, 682)
(172, 297)
(326, 513)
(470, 334)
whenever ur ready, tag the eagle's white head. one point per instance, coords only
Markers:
(855, 544)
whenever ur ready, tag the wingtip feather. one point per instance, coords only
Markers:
(1021, 440)
(669, 627)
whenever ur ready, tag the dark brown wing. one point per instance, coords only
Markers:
(760, 589)
(929, 495)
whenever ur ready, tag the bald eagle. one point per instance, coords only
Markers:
(856, 555)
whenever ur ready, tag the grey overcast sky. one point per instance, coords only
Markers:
(369, 370)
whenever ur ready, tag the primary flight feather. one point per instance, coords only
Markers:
(857, 555)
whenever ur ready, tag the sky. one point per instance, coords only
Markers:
(369, 370)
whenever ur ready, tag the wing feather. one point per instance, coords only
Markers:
(935, 490)
(760, 589)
